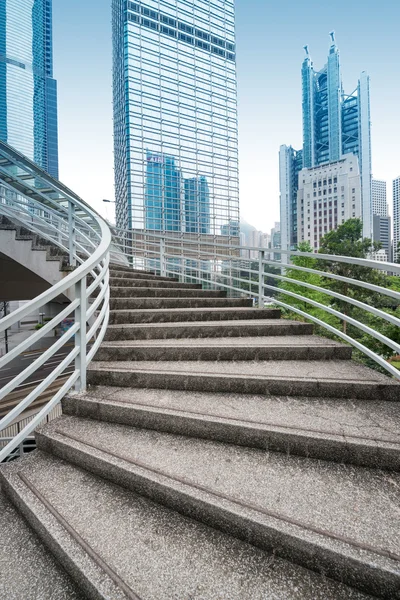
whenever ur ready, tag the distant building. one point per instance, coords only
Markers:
(328, 195)
(379, 200)
(28, 91)
(335, 125)
(197, 205)
(383, 234)
(290, 164)
(396, 218)
(162, 193)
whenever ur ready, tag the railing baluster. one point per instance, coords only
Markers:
(80, 336)
(71, 234)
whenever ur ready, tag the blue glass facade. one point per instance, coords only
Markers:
(335, 123)
(175, 115)
(162, 193)
(28, 92)
(197, 205)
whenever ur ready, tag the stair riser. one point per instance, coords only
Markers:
(164, 303)
(223, 353)
(135, 276)
(286, 540)
(130, 292)
(215, 331)
(147, 316)
(85, 579)
(241, 385)
(271, 439)
(123, 282)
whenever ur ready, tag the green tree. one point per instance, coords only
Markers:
(309, 278)
(347, 240)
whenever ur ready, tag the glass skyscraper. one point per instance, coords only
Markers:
(336, 123)
(175, 115)
(28, 92)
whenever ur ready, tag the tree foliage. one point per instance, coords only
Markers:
(346, 240)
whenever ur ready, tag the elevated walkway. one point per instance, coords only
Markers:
(219, 452)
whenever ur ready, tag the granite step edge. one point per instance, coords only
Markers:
(272, 434)
(89, 576)
(359, 567)
(125, 374)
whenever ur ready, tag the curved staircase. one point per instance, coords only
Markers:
(219, 453)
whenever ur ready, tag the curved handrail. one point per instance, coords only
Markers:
(230, 266)
(29, 197)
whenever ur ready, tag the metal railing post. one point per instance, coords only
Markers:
(80, 336)
(261, 281)
(163, 270)
(71, 234)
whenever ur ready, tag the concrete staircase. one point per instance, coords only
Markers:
(29, 263)
(219, 453)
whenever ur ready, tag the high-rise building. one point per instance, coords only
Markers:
(336, 123)
(162, 193)
(174, 86)
(328, 195)
(197, 205)
(379, 200)
(381, 219)
(396, 218)
(28, 91)
(290, 164)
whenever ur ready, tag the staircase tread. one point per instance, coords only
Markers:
(311, 370)
(211, 324)
(160, 553)
(326, 503)
(206, 309)
(371, 422)
(27, 568)
(280, 341)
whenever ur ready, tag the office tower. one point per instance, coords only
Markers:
(336, 123)
(162, 193)
(174, 86)
(28, 92)
(379, 200)
(197, 205)
(328, 195)
(396, 219)
(381, 220)
(290, 164)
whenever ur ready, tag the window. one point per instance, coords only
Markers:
(335, 180)
(168, 31)
(168, 21)
(186, 38)
(202, 34)
(184, 27)
(149, 13)
(203, 45)
(134, 6)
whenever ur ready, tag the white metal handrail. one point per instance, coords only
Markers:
(225, 264)
(30, 198)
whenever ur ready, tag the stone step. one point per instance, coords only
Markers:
(145, 292)
(207, 329)
(121, 545)
(183, 304)
(127, 269)
(354, 432)
(28, 569)
(315, 379)
(140, 275)
(316, 514)
(152, 283)
(234, 313)
(216, 349)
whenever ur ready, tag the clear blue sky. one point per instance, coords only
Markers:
(270, 40)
